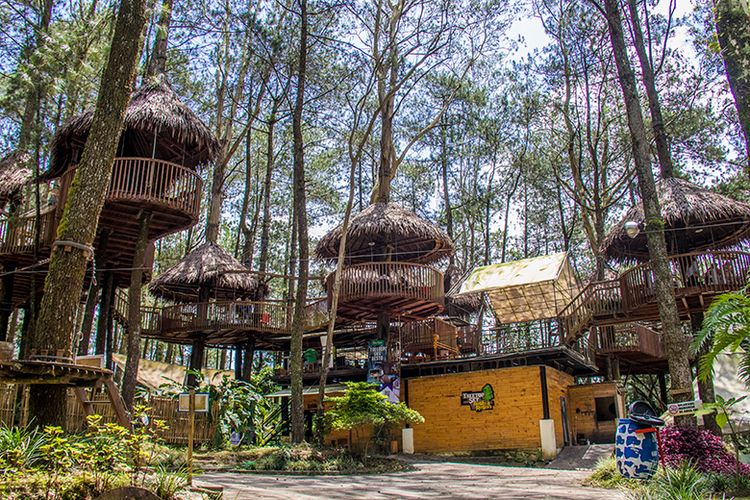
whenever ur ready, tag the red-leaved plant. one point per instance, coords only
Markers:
(702, 448)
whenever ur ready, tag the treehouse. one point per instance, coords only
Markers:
(162, 144)
(387, 269)
(704, 232)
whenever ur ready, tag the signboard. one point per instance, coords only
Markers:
(201, 402)
(684, 407)
(479, 401)
(377, 355)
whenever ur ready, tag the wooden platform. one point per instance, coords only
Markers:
(697, 279)
(51, 372)
(412, 291)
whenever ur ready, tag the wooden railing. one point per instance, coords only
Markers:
(691, 273)
(152, 181)
(262, 316)
(534, 336)
(150, 316)
(316, 314)
(629, 337)
(598, 298)
(266, 316)
(17, 233)
(389, 279)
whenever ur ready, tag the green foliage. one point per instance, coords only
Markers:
(363, 405)
(606, 475)
(722, 408)
(726, 327)
(308, 459)
(242, 406)
(167, 483)
(682, 483)
(20, 448)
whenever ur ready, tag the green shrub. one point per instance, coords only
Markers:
(606, 475)
(20, 448)
(167, 483)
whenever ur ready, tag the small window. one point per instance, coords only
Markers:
(605, 409)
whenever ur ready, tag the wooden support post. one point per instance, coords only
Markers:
(88, 408)
(6, 300)
(238, 361)
(117, 404)
(191, 435)
(196, 362)
(104, 306)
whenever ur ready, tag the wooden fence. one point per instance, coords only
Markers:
(161, 409)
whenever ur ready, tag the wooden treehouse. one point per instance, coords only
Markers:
(387, 265)
(162, 145)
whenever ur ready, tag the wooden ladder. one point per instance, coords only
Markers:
(114, 398)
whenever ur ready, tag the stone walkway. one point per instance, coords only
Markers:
(431, 480)
(581, 457)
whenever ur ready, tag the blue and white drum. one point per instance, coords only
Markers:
(636, 454)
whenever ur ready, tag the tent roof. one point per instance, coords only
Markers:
(515, 273)
(153, 374)
(527, 289)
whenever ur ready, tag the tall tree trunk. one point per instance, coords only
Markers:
(675, 343)
(130, 379)
(6, 304)
(85, 200)
(157, 64)
(733, 28)
(265, 232)
(300, 212)
(649, 81)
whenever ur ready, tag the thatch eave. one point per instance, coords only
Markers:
(208, 267)
(153, 109)
(14, 174)
(695, 218)
(386, 229)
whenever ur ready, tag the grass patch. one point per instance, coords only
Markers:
(303, 459)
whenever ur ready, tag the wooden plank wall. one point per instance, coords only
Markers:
(582, 411)
(557, 386)
(513, 422)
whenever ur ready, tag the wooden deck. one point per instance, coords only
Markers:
(412, 291)
(171, 193)
(18, 235)
(697, 279)
(435, 339)
(221, 323)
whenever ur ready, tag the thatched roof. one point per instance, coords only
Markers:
(386, 228)
(696, 219)
(14, 173)
(462, 305)
(206, 266)
(154, 109)
(459, 305)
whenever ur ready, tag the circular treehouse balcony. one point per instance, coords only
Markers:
(228, 322)
(169, 191)
(412, 291)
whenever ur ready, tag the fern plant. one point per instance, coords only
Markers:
(726, 327)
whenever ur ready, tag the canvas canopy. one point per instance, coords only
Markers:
(525, 290)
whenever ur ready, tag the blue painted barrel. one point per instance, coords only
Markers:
(636, 455)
